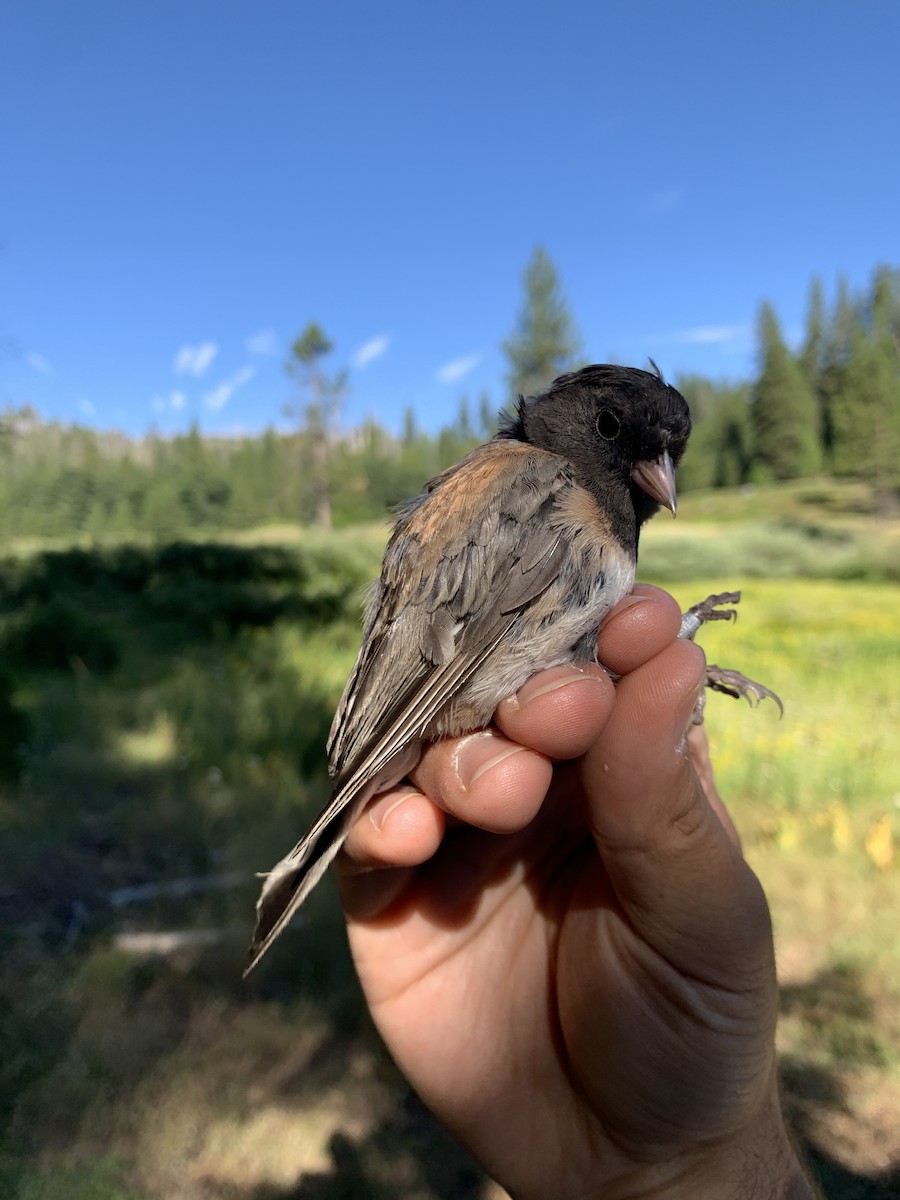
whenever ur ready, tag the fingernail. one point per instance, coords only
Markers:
(550, 681)
(632, 598)
(382, 809)
(477, 754)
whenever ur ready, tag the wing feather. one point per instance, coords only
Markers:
(438, 596)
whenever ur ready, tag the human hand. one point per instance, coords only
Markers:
(573, 964)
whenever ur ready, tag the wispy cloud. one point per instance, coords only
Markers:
(712, 335)
(264, 343)
(370, 350)
(664, 201)
(457, 368)
(37, 362)
(87, 408)
(195, 360)
(219, 396)
(174, 401)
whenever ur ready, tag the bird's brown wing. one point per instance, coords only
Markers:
(475, 550)
(459, 568)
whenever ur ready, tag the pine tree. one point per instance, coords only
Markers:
(812, 361)
(487, 417)
(866, 406)
(545, 341)
(785, 420)
(885, 385)
(410, 427)
(842, 333)
(719, 453)
(814, 342)
(464, 430)
(319, 413)
(734, 443)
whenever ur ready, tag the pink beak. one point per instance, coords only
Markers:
(657, 478)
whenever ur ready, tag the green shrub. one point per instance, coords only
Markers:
(15, 729)
(58, 636)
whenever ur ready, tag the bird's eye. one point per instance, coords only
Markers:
(608, 425)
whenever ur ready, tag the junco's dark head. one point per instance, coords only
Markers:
(619, 427)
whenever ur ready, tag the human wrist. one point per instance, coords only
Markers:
(773, 1174)
(758, 1164)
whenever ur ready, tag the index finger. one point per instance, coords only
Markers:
(638, 628)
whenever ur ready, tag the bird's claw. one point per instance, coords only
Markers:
(720, 679)
(733, 683)
(708, 610)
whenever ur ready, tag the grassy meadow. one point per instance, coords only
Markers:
(165, 709)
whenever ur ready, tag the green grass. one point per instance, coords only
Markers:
(830, 651)
(822, 500)
(816, 794)
(816, 798)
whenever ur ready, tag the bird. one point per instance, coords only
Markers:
(504, 566)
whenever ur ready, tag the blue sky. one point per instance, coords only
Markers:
(184, 185)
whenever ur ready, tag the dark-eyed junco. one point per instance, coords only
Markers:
(505, 566)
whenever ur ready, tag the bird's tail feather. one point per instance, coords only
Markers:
(290, 881)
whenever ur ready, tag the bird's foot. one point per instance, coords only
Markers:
(733, 683)
(708, 610)
(720, 679)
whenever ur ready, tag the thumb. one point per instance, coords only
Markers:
(677, 873)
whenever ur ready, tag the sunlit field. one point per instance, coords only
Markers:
(816, 797)
(172, 705)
